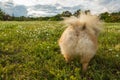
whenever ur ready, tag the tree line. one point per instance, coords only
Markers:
(107, 17)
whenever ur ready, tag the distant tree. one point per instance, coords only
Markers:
(115, 17)
(105, 16)
(87, 11)
(7, 17)
(56, 18)
(77, 13)
(66, 14)
(1, 14)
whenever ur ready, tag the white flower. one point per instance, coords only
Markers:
(48, 47)
(110, 49)
(2, 43)
(4, 34)
(117, 55)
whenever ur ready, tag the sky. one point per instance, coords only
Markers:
(52, 7)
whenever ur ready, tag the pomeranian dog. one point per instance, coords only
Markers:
(80, 38)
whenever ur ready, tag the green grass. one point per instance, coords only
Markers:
(30, 51)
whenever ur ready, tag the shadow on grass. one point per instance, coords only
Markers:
(106, 63)
(6, 53)
(100, 68)
(104, 68)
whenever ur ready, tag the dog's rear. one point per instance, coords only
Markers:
(80, 38)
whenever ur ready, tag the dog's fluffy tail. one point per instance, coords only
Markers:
(86, 20)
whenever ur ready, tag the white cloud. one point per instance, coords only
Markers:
(52, 7)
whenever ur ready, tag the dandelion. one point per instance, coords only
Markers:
(117, 47)
(17, 31)
(55, 42)
(110, 49)
(48, 47)
(117, 55)
(7, 49)
(2, 44)
(47, 34)
(4, 34)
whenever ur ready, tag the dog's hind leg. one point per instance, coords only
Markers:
(85, 59)
(67, 57)
(85, 66)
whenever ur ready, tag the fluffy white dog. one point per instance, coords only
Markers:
(80, 38)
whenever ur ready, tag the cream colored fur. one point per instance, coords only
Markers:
(80, 38)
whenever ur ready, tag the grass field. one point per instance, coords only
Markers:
(29, 51)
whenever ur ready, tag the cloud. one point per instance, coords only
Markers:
(20, 10)
(10, 8)
(53, 7)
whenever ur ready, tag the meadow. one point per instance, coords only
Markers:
(30, 51)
